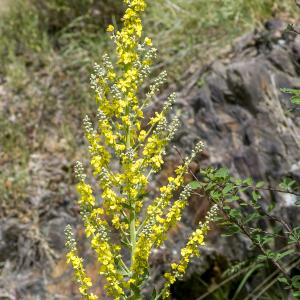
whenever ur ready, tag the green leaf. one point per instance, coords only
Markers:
(233, 198)
(235, 213)
(271, 206)
(287, 184)
(260, 184)
(210, 186)
(288, 90)
(283, 280)
(252, 217)
(228, 187)
(297, 202)
(231, 230)
(255, 196)
(262, 257)
(222, 173)
(136, 290)
(286, 253)
(248, 181)
(295, 100)
(153, 296)
(296, 282)
(195, 185)
(294, 237)
(215, 195)
(126, 206)
(296, 294)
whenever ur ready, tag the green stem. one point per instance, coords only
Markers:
(132, 233)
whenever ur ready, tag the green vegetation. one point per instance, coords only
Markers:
(274, 242)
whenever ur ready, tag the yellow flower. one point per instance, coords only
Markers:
(110, 28)
(148, 41)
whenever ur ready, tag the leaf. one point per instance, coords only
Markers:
(296, 282)
(233, 198)
(235, 213)
(260, 184)
(253, 216)
(271, 207)
(297, 202)
(246, 277)
(125, 205)
(283, 280)
(296, 294)
(222, 173)
(294, 237)
(135, 289)
(286, 253)
(295, 100)
(153, 296)
(228, 187)
(262, 257)
(248, 181)
(195, 185)
(287, 183)
(210, 186)
(231, 230)
(255, 196)
(288, 90)
(215, 195)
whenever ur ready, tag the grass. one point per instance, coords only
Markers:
(191, 31)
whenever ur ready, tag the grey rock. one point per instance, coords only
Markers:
(241, 114)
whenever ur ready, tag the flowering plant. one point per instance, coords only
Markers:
(124, 156)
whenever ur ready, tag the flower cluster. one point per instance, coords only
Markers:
(83, 280)
(189, 251)
(125, 151)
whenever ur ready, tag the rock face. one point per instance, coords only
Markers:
(240, 112)
(236, 107)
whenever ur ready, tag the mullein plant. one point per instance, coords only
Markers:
(124, 207)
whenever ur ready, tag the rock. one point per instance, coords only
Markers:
(241, 114)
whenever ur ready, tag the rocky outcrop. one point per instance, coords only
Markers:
(237, 108)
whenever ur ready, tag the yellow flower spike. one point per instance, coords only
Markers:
(124, 157)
